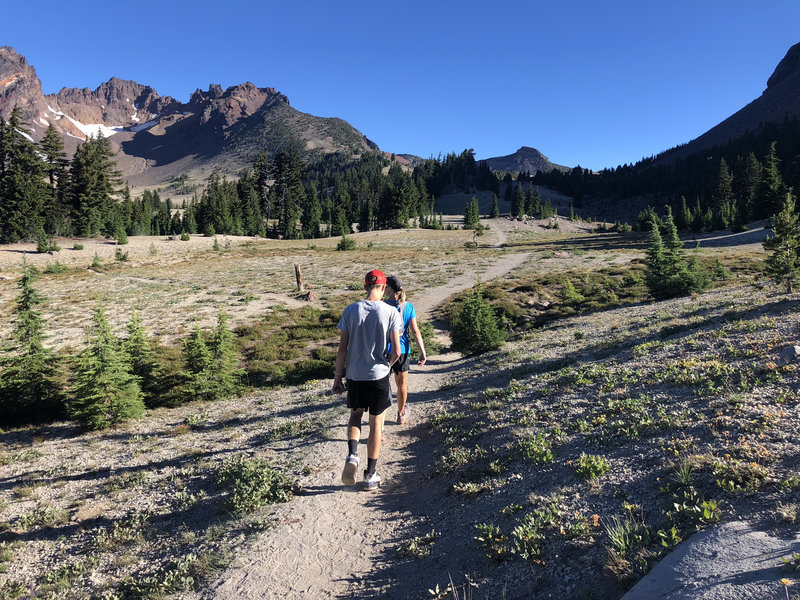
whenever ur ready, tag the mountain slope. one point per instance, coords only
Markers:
(780, 100)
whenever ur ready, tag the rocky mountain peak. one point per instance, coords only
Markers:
(18, 82)
(525, 160)
(116, 102)
(222, 109)
(787, 67)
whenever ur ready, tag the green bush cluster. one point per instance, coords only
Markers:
(670, 273)
(253, 483)
(474, 324)
(346, 243)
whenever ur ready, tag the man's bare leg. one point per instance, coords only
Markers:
(374, 439)
(353, 439)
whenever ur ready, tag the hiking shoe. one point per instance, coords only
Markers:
(350, 468)
(402, 417)
(372, 482)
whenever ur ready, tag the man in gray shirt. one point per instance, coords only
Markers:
(365, 331)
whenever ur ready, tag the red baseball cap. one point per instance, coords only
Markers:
(375, 277)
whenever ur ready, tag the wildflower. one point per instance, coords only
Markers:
(786, 582)
(595, 520)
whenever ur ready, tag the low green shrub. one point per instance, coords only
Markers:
(253, 483)
(590, 466)
(55, 267)
(346, 243)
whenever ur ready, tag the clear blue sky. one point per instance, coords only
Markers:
(586, 82)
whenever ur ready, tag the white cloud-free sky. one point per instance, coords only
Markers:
(586, 82)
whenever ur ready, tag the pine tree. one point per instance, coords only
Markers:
(472, 215)
(312, 214)
(212, 367)
(287, 172)
(518, 203)
(198, 360)
(56, 209)
(23, 191)
(105, 392)
(570, 295)
(262, 172)
(657, 270)
(142, 358)
(684, 216)
(745, 181)
(722, 199)
(94, 184)
(226, 374)
(783, 264)
(534, 203)
(29, 390)
(475, 326)
(495, 208)
(669, 273)
(770, 192)
(673, 246)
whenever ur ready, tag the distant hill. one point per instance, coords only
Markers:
(158, 138)
(525, 160)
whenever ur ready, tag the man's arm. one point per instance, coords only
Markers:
(394, 355)
(341, 355)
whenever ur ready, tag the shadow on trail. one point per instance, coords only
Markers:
(318, 490)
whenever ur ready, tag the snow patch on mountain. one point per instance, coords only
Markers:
(143, 126)
(95, 128)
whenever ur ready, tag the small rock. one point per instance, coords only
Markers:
(790, 354)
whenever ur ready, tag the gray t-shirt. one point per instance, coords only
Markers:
(369, 324)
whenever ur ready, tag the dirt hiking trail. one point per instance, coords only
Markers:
(337, 541)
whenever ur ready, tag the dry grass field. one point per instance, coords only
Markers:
(174, 284)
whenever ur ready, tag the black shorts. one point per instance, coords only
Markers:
(403, 364)
(375, 396)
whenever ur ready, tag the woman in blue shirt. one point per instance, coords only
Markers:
(397, 298)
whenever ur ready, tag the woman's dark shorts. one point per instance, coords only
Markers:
(374, 396)
(402, 365)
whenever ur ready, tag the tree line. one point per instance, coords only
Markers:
(726, 186)
(44, 194)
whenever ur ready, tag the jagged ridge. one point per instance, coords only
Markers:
(158, 137)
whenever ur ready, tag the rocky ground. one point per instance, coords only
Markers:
(564, 465)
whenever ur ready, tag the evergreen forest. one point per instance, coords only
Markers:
(45, 194)
(726, 186)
